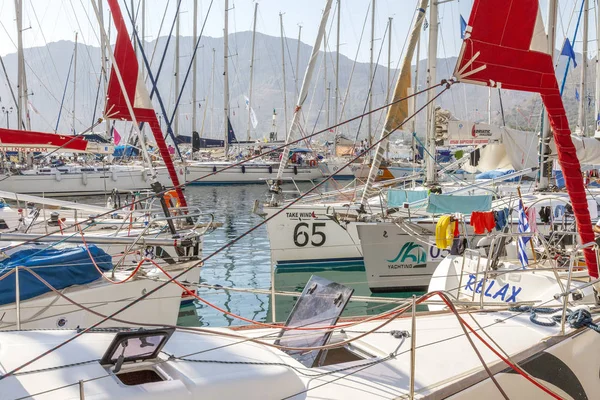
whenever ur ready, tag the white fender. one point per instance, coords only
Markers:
(144, 176)
(84, 178)
(57, 175)
(113, 176)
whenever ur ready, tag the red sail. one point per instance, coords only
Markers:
(136, 92)
(39, 140)
(506, 46)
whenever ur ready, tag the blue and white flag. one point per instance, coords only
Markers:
(523, 240)
(568, 51)
(463, 27)
(253, 119)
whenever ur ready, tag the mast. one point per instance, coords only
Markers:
(22, 108)
(413, 110)
(371, 80)
(304, 88)
(143, 6)
(212, 102)
(251, 71)
(325, 85)
(389, 70)
(297, 63)
(74, 82)
(597, 102)
(337, 64)
(195, 68)
(226, 76)
(103, 72)
(176, 120)
(544, 148)
(398, 112)
(285, 118)
(431, 80)
(581, 131)
(389, 66)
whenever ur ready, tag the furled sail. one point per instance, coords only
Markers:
(505, 46)
(136, 92)
(398, 111)
(39, 141)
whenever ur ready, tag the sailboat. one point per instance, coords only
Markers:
(497, 351)
(72, 262)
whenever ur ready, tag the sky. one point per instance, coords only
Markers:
(53, 20)
(47, 21)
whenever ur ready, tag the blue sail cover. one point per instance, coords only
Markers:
(60, 268)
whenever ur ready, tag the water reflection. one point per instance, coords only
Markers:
(246, 264)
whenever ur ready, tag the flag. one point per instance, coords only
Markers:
(253, 119)
(463, 27)
(425, 24)
(116, 136)
(523, 240)
(568, 51)
(576, 95)
(31, 107)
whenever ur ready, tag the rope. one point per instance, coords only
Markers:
(577, 319)
(447, 85)
(273, 150)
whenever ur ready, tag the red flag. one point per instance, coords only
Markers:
(506, 46)
(136, 92)
(116, 136)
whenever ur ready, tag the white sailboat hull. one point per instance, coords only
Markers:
(69, 184)
(306, 236)
(246, 173)
(50, 311)
(396, 261)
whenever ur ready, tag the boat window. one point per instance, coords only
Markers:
(45, 170)
(87, 169)
(320, 305)
(135, 346)
(139, 377)
(338, 356)
(63, 169)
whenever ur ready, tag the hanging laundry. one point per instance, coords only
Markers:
(482, 222)
(501, 218)
(458, 246)
(545, 214)
(532, 218)
(444, 232)
(559, 211)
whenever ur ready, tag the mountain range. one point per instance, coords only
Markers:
(49, 81)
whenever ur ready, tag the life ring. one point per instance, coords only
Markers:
(312, 163)
(172, 194)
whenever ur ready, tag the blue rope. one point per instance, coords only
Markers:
(576, 319)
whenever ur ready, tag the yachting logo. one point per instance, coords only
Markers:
(411, 252)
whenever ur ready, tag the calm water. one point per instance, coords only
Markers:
(246, 264)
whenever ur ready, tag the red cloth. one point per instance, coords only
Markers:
(482, 222)
(456, 231)
(495, 55)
